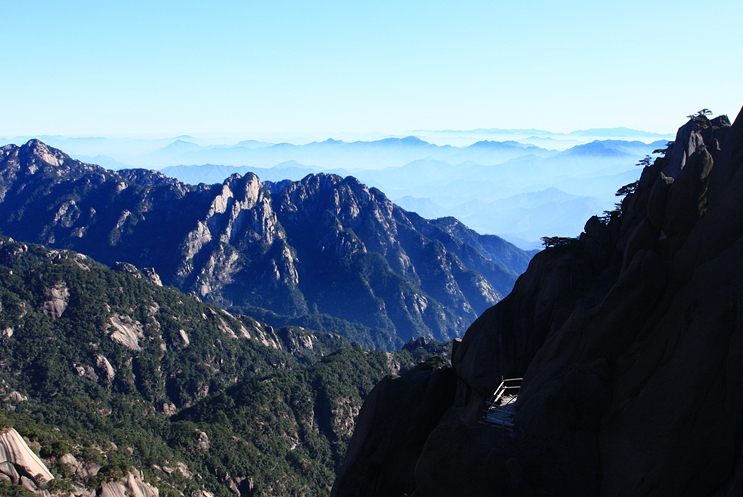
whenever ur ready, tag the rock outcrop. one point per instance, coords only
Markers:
(323, 245)
(59, 298)
(126, 331)
(19, 464)
(130, 485)
(629, 343)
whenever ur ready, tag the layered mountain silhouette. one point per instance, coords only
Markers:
(322, 245)
(332, 153)
(630, 345)
(470, 183)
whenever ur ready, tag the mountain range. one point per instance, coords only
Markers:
(322, 246)
(447, 180)
(625, 337)
(328, 154)
(482, 196)
(587, 175)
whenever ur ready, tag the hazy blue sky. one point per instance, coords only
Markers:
(110, 67)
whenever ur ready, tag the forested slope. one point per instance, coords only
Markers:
(108, 375)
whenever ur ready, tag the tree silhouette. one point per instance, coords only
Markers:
(645, 161)
(701, 118)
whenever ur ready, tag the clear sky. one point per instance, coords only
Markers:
(165, 67)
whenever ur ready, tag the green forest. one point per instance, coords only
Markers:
(129, 377)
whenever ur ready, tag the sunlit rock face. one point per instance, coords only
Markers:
(19, 464)
(324, 244)
(629, 344)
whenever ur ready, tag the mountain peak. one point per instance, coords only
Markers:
(413, 140)
(35, 150)
(182, 146)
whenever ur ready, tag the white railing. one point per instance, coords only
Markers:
(499, 409)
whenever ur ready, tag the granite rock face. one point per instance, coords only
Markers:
(59, 298)
(131, 484)
(18, 461)
(629, 342)
(323, 245)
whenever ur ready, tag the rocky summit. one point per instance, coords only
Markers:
(324, 245)
(630, 345)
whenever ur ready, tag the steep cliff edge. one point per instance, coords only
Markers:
(630, 343)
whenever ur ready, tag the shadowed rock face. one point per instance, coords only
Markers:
(630, 343)
(324, 244)
(381, 458)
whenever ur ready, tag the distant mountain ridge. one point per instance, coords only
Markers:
(323, 245)
(589, 174)
(217, 173)
(329, 154)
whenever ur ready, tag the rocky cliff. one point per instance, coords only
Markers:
(323, 245)
(630, 344)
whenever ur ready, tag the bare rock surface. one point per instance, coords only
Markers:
(131, 485)
(106, 368)
(8, 471)
(126, 331)
(59, 298)
(152, 275)
(15, 451)
(203, 443)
